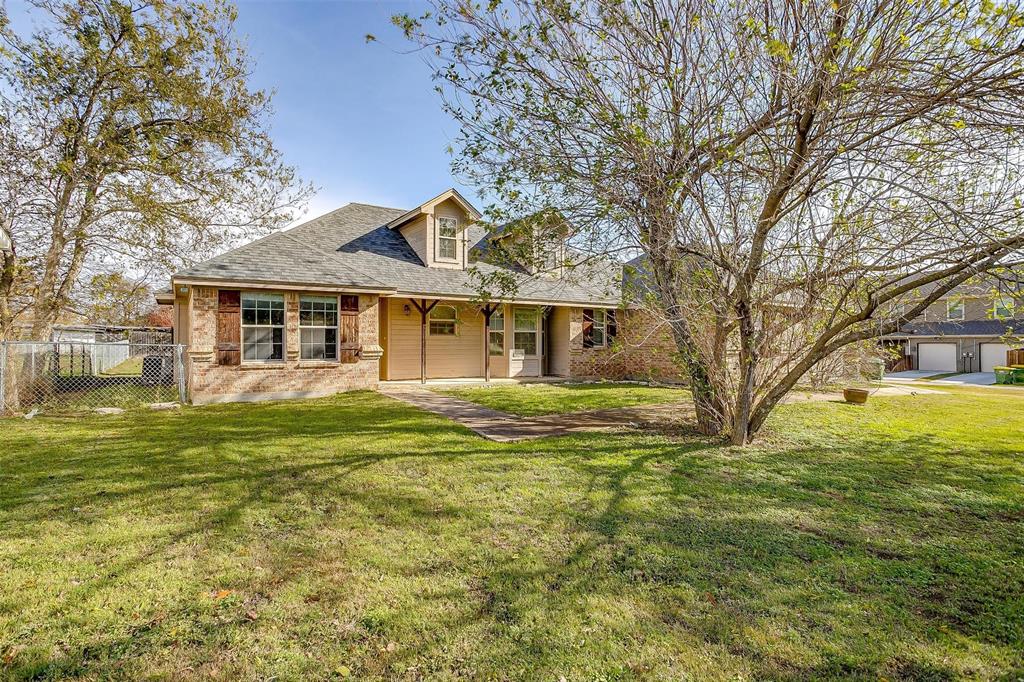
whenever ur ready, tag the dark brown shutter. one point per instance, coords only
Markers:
(348, 328)
(588, 327)
(611, 328)
(229, 327)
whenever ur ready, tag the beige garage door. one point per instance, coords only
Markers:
(993, 355)
(938, 357)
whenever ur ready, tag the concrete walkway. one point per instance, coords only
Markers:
(505, 428)
(879, 391)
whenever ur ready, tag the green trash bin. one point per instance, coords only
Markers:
(1004, 375)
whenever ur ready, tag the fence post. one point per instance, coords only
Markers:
(179, 361)
(3, 377)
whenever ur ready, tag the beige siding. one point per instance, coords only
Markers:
(416, 234)
(558, 332)
(461, 355)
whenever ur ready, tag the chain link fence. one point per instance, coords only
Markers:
(60, 376)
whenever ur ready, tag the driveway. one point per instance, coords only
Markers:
(970, 379)
(913, 374)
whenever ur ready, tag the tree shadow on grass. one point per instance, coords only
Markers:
(622, 555)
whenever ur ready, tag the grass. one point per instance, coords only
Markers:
(358, 537)
(130, 367)
(530, 400)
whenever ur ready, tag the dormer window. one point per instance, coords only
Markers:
(955, 309)
(1002, 307)
(447, 239)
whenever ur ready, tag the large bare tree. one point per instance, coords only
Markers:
(129, 137)
(792, 172)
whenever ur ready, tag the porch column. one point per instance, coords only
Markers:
(488, 310)
(424, 309)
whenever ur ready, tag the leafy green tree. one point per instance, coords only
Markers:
(787, 172)
(111, 298)
(128, 134)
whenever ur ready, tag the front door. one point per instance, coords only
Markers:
(525, 355)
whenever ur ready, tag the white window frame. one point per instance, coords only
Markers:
(498, 314)
(454, 320)
(963, 308)
(1004, 302)
(599, 326)
(453, 224)
(310, 327)
(536, 331)
(258, 295)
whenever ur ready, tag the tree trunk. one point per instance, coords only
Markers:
(741, 432)
(706, 401)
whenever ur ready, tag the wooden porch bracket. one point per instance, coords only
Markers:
(424, 311)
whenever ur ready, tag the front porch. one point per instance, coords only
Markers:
(453, 341)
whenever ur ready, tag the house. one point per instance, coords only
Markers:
(970, 329)
(367, 294)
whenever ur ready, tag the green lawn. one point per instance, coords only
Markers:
(358, 537)
(530, 400)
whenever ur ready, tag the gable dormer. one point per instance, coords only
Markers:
(438, 230)
(537, 243)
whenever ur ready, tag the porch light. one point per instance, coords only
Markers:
(406, 309)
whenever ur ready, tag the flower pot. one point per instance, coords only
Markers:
(858, 396)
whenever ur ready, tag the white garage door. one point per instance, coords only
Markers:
(993, 355)
(940, 357)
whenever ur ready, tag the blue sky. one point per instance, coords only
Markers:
(359, 120)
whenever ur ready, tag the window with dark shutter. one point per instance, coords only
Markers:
(229, 330)
(348, 328)
(588, 327)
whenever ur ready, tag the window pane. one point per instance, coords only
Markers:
(442, 328)
(598, 336)
(497, 322)
(526, 342)
(526, 320)
(248, 316)
(496, 343)
(446, 248)
(447, 227)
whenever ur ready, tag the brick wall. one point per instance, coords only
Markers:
(210, 382)
(643, 350)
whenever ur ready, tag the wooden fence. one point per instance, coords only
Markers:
(1015, 357)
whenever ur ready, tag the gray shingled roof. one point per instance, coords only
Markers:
(964, 328)
(353, 247)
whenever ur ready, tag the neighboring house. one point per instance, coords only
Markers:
(968, 330)
(367, 293)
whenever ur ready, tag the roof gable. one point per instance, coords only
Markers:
(356, 246)
(428, 207)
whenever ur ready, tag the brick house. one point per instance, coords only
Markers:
(367, 294)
